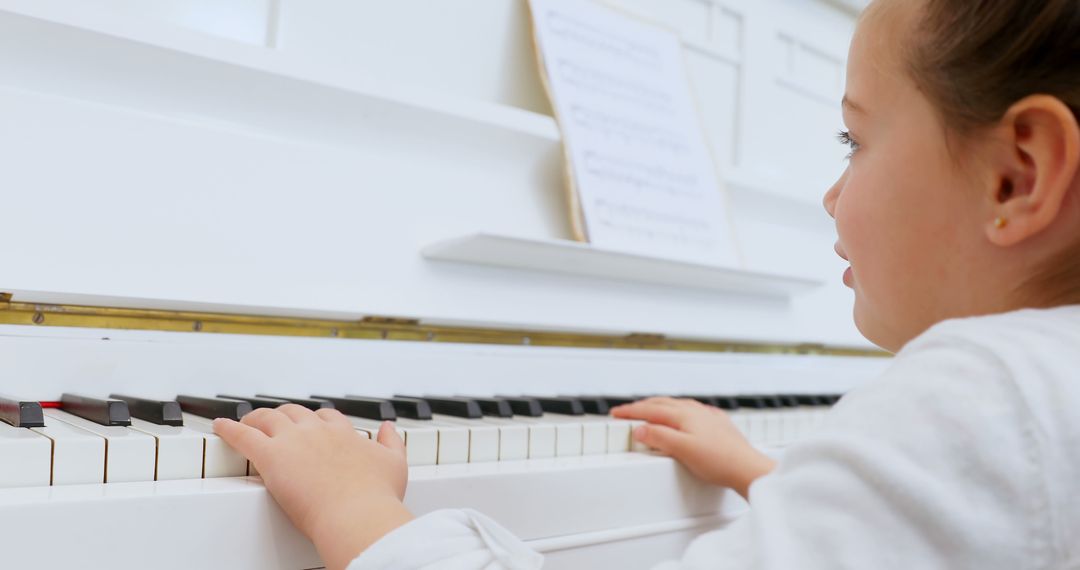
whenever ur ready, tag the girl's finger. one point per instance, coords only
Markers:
(269, 421)
(334, 417)
(653, 413)
(388, 436)
(297, 413)
(663, 439)
(246, 440)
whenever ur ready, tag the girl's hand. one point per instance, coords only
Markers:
(340, 489)
(701, 437)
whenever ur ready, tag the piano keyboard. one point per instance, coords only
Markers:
(87, 440)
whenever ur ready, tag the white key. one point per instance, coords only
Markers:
(618, 440)
(78, 455)
(219, 460)
(514, 438)
(129, 454)
(484, 438)
(541, 437)
(25, 457)
(179, 450)
(594, 436)
(421, 444)
(568, 435)
(453, 440)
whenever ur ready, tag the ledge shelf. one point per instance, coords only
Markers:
(582, 259)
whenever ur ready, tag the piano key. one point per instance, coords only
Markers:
(515, 439)
(568, 435)
(484, 438)
(592, 405)
(370, 408)
(255, 401)
(130, 455)
(522, 406)
(309, 403)
(421, 443)
(20, 413)
(495, 407)
(613, 401)
(557, 405)
(211, 408)
(219, 460)
(412, 408)
(97, 410)
(448, 406)
(25, 457)
(452, 441)
(160, 412)
(78, 456)
(179, 450)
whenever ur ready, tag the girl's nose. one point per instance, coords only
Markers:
(833, 194)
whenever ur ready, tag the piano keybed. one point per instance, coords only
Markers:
(86, 440)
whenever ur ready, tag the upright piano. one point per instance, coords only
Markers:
(215, 205)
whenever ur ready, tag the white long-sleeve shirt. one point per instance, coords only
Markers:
(965, 453)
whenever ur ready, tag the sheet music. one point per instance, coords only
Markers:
(641, 171)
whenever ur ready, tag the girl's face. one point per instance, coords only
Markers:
(909, 220)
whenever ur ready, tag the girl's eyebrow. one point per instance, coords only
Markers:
(847, 103)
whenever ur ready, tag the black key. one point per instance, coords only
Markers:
(789, 400)
(256, 401)
(592, 405)
(306, 402)
(495, 407)
(213, 408)
(833, 398)
(808, 400)
(556, 405)
(771, 401)
(457, 407)
(104, 412)
(370, 408)
(522, 406)
(411, 408)
(21, 413)
(613, 401)
(726, 402)
(752, 402)
(160, 412)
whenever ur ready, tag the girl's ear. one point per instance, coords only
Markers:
(1036, 171)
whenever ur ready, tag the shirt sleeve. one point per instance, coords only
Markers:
(450, 539)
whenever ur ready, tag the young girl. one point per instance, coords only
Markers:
(960, 215)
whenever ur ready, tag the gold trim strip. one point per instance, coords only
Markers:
(379, 328)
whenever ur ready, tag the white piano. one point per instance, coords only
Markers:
(207, 198)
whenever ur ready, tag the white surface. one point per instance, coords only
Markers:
(639, 163)
(78, 456)
(25, 457)
(179, 450)
(130, 455)
(576, 258)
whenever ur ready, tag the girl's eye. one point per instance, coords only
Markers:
(845, 139)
